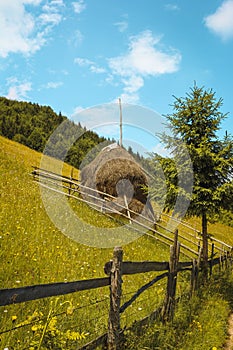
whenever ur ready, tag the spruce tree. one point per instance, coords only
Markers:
(196, 120)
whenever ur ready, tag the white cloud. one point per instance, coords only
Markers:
(84, 62)
(221, 22)
(131, 98)
(78, 38)
(18, 91)
(122, 26)
(51, 14)
(21, 30)
(133, 83)
(52, 18)
(53, 6)
(53, 84)
(145, 57)
(172, 7)
(79, 6)
(96, 69)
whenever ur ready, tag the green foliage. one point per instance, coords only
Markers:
(46, 333)
(23, 121)
(196, 120)
(199, 323)
(32, 125)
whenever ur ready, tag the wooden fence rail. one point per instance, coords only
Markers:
(115, 269)
(99, 200)
(19, 295)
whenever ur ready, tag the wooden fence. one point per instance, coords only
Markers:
(115, 270)
(98, 200)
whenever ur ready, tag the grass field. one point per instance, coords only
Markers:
(33, 251)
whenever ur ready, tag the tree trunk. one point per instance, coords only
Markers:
(205, 245)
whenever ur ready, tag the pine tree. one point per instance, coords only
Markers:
(195, 120)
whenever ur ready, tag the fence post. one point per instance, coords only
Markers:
(226, 258)
(211, 258)
(71, 178)
(113, 338)
(169, 304)
(195, 273)
(193, 277)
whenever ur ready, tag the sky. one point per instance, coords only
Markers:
(80, 57)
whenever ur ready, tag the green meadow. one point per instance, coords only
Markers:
(33, 251)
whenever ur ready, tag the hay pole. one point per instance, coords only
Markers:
(120, 141)
(127, 208)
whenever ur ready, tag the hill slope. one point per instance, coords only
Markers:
(34, 251)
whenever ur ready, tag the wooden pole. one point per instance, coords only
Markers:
(113, 338)
(120, 141)
(195, 273)
(71, 179)
(211, 259)
(193, 277)
(169, 304)
(127, 208)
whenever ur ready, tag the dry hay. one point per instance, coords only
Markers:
(115, 172)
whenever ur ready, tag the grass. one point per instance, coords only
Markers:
(34, 251)
(199, 323)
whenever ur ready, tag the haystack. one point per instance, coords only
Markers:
(115, 172)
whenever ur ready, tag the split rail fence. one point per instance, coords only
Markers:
(190, 241)
(115, 270)
(220, 254)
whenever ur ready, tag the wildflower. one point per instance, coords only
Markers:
(34, 328)
(13, 318)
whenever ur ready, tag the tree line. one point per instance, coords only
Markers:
(31, 125)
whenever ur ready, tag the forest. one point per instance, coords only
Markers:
(31, 125)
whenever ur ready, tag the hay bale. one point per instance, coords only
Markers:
(115, 172)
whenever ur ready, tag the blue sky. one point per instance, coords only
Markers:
(73, 55)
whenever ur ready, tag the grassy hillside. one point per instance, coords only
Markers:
(34, 251)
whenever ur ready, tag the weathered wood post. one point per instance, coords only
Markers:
(193, 277)
(71, 178)
(220, 263)
(226, 259)
(195, 273)
(169, 304)
(211, 258)
(113, 338)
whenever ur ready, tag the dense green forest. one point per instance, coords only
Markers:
(32, 125)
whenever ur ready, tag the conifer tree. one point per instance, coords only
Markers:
(195, 120)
